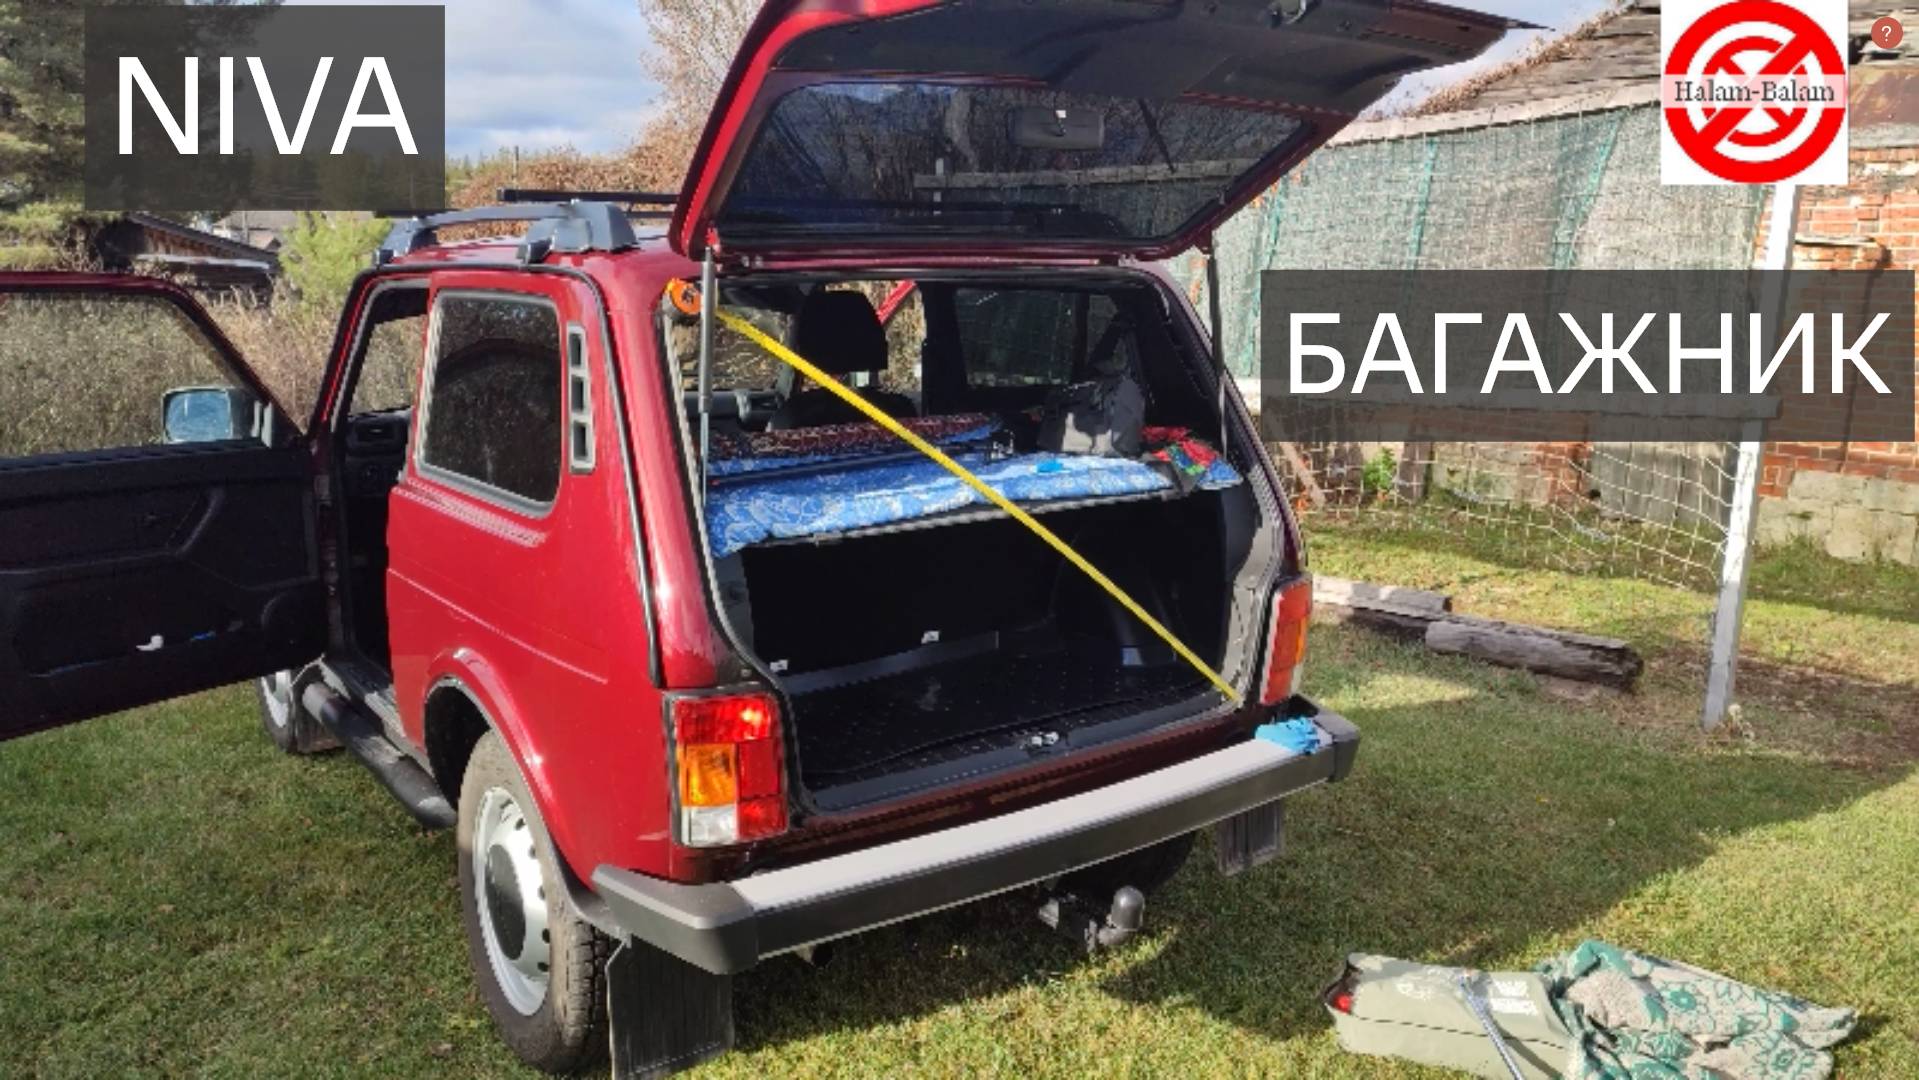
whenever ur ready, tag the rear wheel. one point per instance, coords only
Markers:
(540, 968)
(285, 720)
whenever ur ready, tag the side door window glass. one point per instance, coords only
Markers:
(493, 412)
(101, 370)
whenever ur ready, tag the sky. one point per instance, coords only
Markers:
(542, 74)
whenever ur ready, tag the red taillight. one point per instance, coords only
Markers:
(762, 817)
(1286, 643)
(731, 778)
(735, 718)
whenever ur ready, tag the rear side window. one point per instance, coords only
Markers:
(493, 405)
(1017, 337)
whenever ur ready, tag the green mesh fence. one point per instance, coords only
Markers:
(1576, 191)
(1573, 191)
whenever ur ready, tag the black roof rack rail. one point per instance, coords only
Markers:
(664, 199)
(656, 205)
(573, 226)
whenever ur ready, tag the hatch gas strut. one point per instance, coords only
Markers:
(1219, 345)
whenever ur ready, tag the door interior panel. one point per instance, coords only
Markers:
(129, 578)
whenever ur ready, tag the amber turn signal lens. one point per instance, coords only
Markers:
(707, 776)
(1286, 641)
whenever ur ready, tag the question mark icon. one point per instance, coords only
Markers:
(1888, 33)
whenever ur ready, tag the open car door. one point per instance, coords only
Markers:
(156, 504)
(1035, 128)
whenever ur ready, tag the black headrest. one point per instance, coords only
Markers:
(839, 332)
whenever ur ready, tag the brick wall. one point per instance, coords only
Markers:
(1856, 499)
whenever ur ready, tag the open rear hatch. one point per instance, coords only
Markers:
(923, 637)
(1107, 127)
(873, 133)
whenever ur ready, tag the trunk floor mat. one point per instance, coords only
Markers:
(983, 702)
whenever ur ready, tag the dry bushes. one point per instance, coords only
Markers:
(693, 45)
(88, 372)
(286, 343)
(655, 164)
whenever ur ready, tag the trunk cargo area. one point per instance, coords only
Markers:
(919, 656)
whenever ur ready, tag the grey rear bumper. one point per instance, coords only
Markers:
(729, 926)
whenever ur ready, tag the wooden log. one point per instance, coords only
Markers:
(1397, 621)
(1345, 593)
(1607, 661)
(1418, 615)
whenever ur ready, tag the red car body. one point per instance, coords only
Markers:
(497, 602)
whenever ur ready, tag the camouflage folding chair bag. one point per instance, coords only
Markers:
(1597, 1013)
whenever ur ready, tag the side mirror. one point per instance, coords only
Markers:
(209, 414)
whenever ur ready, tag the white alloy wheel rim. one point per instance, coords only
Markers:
(511, 897)
(277, 690)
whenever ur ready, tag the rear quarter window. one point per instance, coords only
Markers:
(493, 403)
(1037, 337)
(1016, 337)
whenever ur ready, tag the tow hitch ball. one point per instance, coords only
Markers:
(1085, 923)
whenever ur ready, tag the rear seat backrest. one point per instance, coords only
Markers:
(840, 333)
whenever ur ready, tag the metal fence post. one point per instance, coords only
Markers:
(1733, 564)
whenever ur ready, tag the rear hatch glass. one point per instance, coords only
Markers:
(1101, 127)
(892, 157)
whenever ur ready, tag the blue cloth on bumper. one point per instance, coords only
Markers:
(1300, 735)
(748, 511)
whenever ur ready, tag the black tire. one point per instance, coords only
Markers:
(567, 1031)
(286, 722)
(1147, 870)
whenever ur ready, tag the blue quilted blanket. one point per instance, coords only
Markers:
(746, 511)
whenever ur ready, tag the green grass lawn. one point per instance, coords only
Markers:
(176, 897)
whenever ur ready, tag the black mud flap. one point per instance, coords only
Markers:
(665, 1014)
(1250, 838)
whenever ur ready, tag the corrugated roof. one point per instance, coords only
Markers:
(201, 238)
(1616, 57)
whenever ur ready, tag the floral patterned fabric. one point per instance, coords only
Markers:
(758, 451)
(1642, 1018)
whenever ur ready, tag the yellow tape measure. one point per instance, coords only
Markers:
(803, 366)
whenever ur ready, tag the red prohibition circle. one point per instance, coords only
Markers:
(1786, 119)
(1703, 142)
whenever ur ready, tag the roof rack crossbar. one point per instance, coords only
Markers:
(612, 195)
(574, 226)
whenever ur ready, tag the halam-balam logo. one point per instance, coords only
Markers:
(1753, 92)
